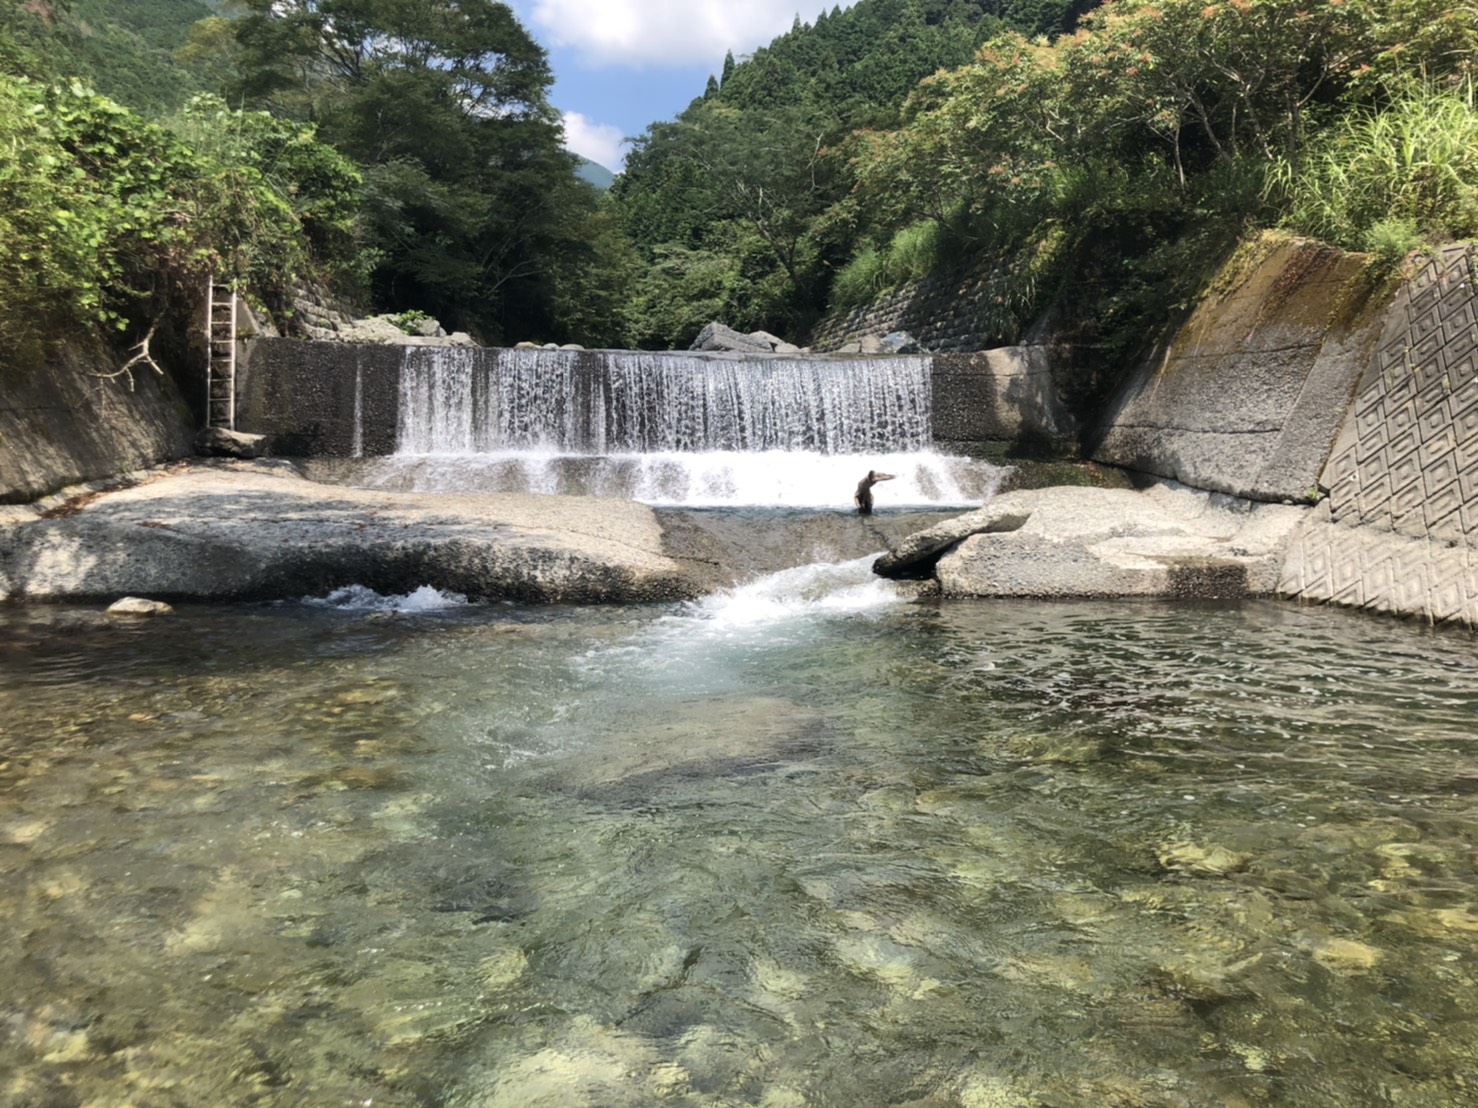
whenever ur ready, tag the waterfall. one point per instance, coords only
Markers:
(673, 428)
(481, 401)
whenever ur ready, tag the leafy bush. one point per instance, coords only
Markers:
(408, 321)
(312, 180)
(104, 217)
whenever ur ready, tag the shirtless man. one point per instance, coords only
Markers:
(863, 497)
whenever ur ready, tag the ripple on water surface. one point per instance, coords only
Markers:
(796, 844)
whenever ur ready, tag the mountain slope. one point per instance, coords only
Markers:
(125, 50)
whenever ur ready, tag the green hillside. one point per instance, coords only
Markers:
(127, 51)
(1101, 162)
(729, 202)
(594, 173)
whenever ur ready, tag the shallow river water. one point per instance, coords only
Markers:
(801, 844)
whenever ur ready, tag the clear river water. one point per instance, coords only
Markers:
(801, 843)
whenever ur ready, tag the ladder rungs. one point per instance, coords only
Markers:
(220, 363)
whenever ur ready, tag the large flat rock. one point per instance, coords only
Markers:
(258, 530)
(1168, 540)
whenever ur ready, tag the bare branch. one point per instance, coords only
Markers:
(142, 356)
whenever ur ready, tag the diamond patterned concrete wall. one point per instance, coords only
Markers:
(1399, 532)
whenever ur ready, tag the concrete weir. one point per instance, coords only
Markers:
(354, 400)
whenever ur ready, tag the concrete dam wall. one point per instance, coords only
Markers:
(354, 400)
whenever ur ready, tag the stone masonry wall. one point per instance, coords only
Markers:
(1399, 530)
(943, 311)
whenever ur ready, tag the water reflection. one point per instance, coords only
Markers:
(781, 848)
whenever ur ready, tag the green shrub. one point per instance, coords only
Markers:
(916, 251)
(1391, 241)
(408, 321)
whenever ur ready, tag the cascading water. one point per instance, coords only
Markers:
(674, 428)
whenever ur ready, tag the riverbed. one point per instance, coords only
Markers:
(800, 843)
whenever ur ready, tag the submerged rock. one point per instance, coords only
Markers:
(138, 606)
(1346, 956)
(1203, 861)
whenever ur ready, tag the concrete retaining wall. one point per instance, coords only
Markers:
(1399, 530)
(61, 425)
(1249, 396)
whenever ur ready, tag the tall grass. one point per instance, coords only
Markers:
(1387, 180)
(913, 253)
(860, 280)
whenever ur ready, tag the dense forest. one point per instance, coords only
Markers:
(1097, 159)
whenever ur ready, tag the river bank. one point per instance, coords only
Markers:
(259, 530)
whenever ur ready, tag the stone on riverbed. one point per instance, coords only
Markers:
(138, 606)
(1204, 861)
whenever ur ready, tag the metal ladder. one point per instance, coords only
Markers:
(220, 369)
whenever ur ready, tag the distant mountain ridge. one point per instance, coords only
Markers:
(594, 173)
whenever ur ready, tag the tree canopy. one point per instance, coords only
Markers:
(471, 203)
(1095, 157)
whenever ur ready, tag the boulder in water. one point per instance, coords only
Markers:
(1168, 540)
(916, 556)
(717, 337)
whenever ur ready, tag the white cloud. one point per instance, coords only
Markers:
(600, 142)
(668, 32)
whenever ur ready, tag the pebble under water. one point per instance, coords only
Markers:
(801, 844)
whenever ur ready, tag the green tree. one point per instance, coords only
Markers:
(470, 199)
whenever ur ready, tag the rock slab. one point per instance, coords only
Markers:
(1081, 542)
(258, 530)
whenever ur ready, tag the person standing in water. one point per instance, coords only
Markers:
(863, 496)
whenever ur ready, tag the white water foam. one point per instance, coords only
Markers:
(772, 478)
(808, 592)
(703, 646)
(359, 598)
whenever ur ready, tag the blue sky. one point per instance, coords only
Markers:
(620, 65)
